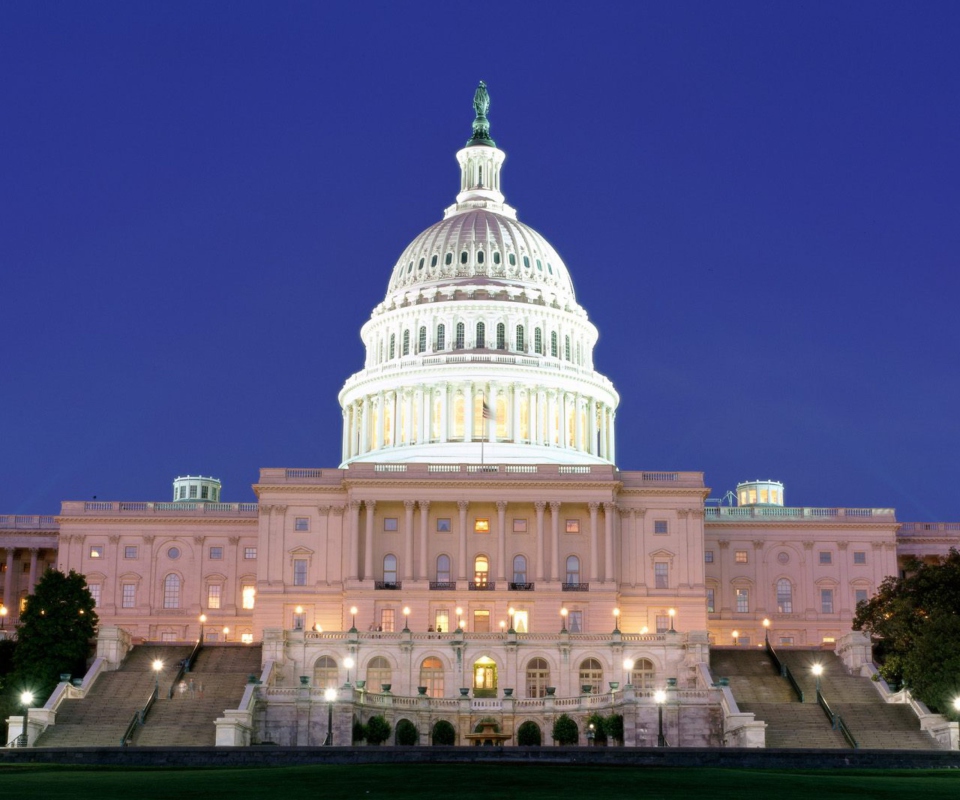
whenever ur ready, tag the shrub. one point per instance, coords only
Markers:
(444, 733)
(378, 730)
(528, 734)
(407, 733)
(599, 728)
(613, 727)
(565, 730)
(359, 730)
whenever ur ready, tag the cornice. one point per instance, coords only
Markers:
(254, 520)
(800, 524)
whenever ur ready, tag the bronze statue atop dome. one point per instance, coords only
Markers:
(481, 126)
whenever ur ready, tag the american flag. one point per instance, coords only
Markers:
(487, 413)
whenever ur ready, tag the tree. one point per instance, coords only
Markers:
(378, 730)
(528, 734)
(56, 628)
(444, 733)
(914, 623)
(613, 727)
(599, 728)
(565, 730)
(407, 733)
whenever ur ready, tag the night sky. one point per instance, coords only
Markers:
(200, 204)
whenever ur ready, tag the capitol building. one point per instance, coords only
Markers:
(477, 552)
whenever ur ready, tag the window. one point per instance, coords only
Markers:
(661, 575)
(171, 591)
(663, 623)
(711, 601)
(660, 526)
(708, 556)
(96, 551)
(216, 553)
(461, 335)
(573, 526)
(526, 262)
(406, 343)
(299, 572)
(443, 569)
(519, 525)
(463, 257)
(128, 595)
(299, 620)
(859, 596)
(213, 596)
(431, 676)
(859, 557)
(481, 334)
(386, 620)
(786, 640)
(393, 345)
(193, 492)
(249, 595)
(575, 621)
(326, 675)
(566, 347)
(390, 524)
(481, 569)
(743, 601)
(246, 638)
(519, 569)
(501, 336)
(481, 622)
(496, 256)
(433, 260)
(131, 551)
(538, 677)
(390, 569)
(443, 525)
(553, 344)
(520, 342)
(520, 620)
(642, 675)
(591, 674)
(249, 552)
(95, 590)
(513, 259)
(173, 553)
(302, 524)
(573, 569)
(537, 341)
(442, 619)
(448, 259)
(204, 492)
(481, 525)
(826, 601)
(441, 336)
(784, 596)
(740, 557)
(826, 557)
(422, 338)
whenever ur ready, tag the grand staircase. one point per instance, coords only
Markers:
(216, 682)
(101, 718)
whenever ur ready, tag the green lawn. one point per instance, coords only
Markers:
(466, 781)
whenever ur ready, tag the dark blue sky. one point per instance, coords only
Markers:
(200, 203)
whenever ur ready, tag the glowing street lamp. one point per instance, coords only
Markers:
(330, 695)
(353, 613)
(766, 631)
(672, 612)
(26, 698)
(203, 619)
(616, 620)
(628, 671)
(660, 697)
(563, 619)
(817, 670)
(503, 627)
(348, 663)
(406, 619)
(511, 611)
(157, 669)
(226, 632)
(3, 616)
(736, 636)
(459, 612)
(644, 630)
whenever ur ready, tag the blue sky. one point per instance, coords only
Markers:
(201, 203)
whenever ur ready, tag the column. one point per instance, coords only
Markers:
(628, 572)
(424, 519)
(444, 403)
(640, 537)
(468, 412)
(463, 505)
(554, 541)
(551, 417)
(762, 589)
(8, 582)
(594, 549)
(408, 418)
(841, 604)
(609, 509)
(517, 397)
(353, 570)
(365, 424)
(603, 432)
(370, 506)
(578, 422)
(501, 538)
(381, 405)
(613, 438)
(540, 506)
(34, 552)
(592, 427)
(408, 506)
(345, 442)
(490, 425)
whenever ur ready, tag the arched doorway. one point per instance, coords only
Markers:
(485, 677)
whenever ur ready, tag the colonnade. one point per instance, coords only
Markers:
(11, 582)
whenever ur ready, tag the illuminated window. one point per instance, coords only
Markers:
(443, 525)
(390, 524)
(216, 553)
(826, 557)
(573, 526)
(431, 676)
(519, 526)
(826, 601)
(246, 638)
(128, 594)
(520, 621)
(538, 677)
(663, 623)
(302, 524)
(743, 601)
(213, 596)
(859, 557)
(763, 495)
(326, 674)
(481, 621)
(96, 551)
(752, 496)
(249, 594)
(442, 618)
(481, 526)
(171, 591)
(661, 575)
(299, 572)
(660, 526)
(299, 620)
(740, 557)
(249, 552)
(481, 569)
(131, 551)
(591, 674)
(387, 618)
(642, 675)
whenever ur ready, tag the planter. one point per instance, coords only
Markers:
(614, 685)
(551, 691)
(385, 687)
(586, 688)
(508, 692)
(65, 676)
(422, 691)
(361, 684)
(304, 680)
(464, 691)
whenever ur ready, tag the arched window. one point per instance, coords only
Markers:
(443, 569)
(481, 333)
(171, 591)
(380, 352)
(393, 345)
(591, 674)
(390, 569)
(378, 673)
(538, 341)
(463, 257)
(406, 343)
(519, 569)
(479, 256)
(496, 256)
(326, 675)
(566, 347)
(441, 336)
(579, 355)
(526, 262)
(538, 677)
(573, 569)
(642, 674)
(458, 344)
(433, 260)
(784, 596)
(481, 569)
(448, 259)
(553, 344)
(431, 676)
(501, 336)
(520, 342)
(422, 343)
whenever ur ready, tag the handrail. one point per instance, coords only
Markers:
(20, 740)
(836, 721)
(139, 716)
(784, 670)
(185, 666)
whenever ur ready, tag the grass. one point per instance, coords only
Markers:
(467, 781)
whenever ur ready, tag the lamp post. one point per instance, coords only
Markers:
(817, 670)
(628, 671)
(157, 668)
(644, 630)
(736, 636)
(3, 616)
(459, 613)
(766, 631)
(511, 611)
(616, 620)
(226, 632)
(348, 663)
(503, 627)
(672, 612)
(330, 695)
(591, 734)
(406, 619)
(660, 697)
(203, 619)
(26, 698)
(563, 619)
(353, 613)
